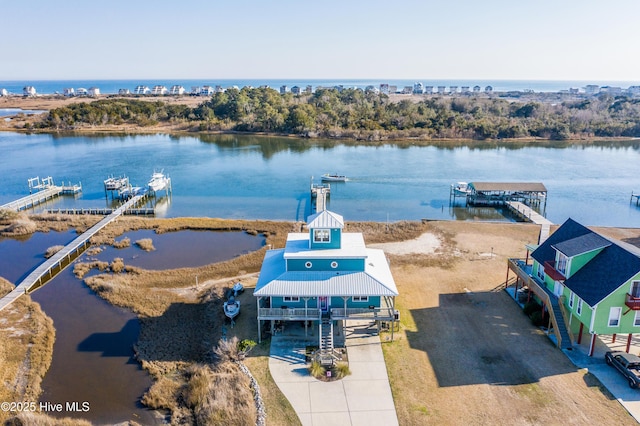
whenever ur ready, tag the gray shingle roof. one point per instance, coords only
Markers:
(582, 244)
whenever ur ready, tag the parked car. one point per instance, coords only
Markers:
(627, 364)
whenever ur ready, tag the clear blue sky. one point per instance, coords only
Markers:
(403, 39)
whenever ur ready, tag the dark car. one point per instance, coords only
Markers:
(627, 364)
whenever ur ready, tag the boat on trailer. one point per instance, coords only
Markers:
(237, 288)
(232, 308)
(328, 177)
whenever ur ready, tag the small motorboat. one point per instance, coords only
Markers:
(461, 188)
(232, 307)
(328, 177)
(237, 288)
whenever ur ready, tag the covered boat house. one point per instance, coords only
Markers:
(499, 193)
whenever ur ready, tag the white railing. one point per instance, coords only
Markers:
(289, 313)
(364, 313)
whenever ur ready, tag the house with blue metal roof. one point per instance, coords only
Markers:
(593, 281)
(325, 277)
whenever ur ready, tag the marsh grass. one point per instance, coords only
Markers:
(145, 244)
(123, 243)
(26, 350)
(52, 250)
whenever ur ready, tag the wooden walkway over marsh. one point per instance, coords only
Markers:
(63, 258)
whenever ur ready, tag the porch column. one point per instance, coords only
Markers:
(259, 321)
(393, 310)
(344, 321)
(306, 302)
(613, 339)
(526, 259)
(506, 281)
(580, 333)
(592, 345)
(629, 342)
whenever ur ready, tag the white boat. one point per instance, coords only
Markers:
(232, 307)
(158, 182)
(238, 288)
(461, 188)
(116, 183)
(328, 177)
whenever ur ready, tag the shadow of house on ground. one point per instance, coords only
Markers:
(484, 338)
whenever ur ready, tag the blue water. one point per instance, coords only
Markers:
(248, 177)
(112, 86)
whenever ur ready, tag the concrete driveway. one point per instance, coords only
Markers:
(362, 398)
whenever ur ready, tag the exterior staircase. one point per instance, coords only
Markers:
(557, 314)
(326, 342)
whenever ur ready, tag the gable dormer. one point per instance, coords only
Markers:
(325, 230)
(574, 253)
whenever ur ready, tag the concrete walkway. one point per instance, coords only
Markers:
(362, 398)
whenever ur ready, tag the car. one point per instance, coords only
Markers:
(627, 364)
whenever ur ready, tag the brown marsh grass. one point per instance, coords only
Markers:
(145, 244)
(27, 337)
(52, 250)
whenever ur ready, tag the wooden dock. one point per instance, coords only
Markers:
(63, 258)
(39, 197)
(319, 195)
(637, 197)
(145, 211)
(529, 215)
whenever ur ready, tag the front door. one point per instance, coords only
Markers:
(324, 304)
(558, 288)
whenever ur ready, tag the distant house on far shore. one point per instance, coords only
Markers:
(29, 91)
(142, 90)
(159, 90)
(177, 90)
(476, 89)
(3, 92)
(94, 91)
(206, 91)
(124, 92)
(69, 91)
(81, 91)
(296, 90)
(488, 89)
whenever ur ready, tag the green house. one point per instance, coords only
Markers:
(325, 276)
(593, 279)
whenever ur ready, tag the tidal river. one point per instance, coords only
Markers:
(250, 177)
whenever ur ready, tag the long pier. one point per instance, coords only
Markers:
(144, 211)
(63, 258)
(528, 214)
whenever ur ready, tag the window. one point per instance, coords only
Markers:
(540, 271)
(614, 316)
(571, 297)
(635, 289)
(334, 264)
(636, 320)
(561, 266)
(290, 299)
(321, 236)
(308, 265)
(579, 308)
(360, 299)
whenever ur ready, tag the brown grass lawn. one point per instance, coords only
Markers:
(466, 354)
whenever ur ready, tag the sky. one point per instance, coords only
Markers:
(587, 40)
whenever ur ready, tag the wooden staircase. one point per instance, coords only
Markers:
(326, 342)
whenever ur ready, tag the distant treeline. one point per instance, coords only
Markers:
(362, 115)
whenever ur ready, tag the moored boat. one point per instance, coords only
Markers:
(328, 177)
(461, 188)
(115, 183)
(232, 307)
(158, 181)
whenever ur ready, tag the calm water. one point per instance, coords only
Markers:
(93, 356)
(268, 177)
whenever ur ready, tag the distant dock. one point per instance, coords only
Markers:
(637, 197)
(45, 190)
